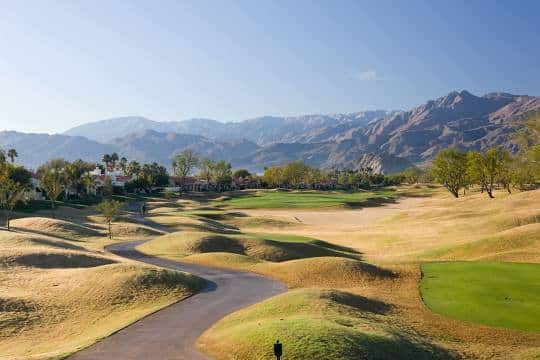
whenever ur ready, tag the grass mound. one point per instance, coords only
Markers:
(54, 259)
(518, 244)
(494, 294)
(13, 240)
(55, 227)
(325, 272)
(47, 313)
(269, 222)
(259, 247)
(316, 324)
(133, 229)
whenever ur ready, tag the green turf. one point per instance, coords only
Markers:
(495, 294)
(318, 324)
(39, 205)
(306, 199)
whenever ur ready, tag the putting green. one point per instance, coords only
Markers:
(307, 199)
(495, 294)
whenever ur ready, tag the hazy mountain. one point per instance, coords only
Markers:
(263, 130)
(458, 119)
(386, 141)
(34, 149)
(149, 146)
(107, 130)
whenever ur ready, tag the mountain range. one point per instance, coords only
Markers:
(388, 141)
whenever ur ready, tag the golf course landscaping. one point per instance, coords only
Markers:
(406, 276)
(305, 199)
(496, 294)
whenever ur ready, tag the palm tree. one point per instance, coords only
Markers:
(2, 156)
(133, 168)
(106, 160)
(12, 154)
(114, 159)
(123, 164)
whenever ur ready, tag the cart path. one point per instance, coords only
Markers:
(171, 333)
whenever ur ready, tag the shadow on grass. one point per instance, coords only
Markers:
(359, 302)
(370, 202)
(45, 233)
(331, 246)
(62, 261)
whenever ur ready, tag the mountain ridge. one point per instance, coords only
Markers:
(387, 143)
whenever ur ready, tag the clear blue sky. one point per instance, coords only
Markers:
(63, 63)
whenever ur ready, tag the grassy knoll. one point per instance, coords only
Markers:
(495, 294)
(425, 227)
(274, 248)
(305, 199)
(438, 227)
(59, 291)
(316, 324)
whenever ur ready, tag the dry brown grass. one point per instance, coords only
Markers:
(418, 229)
(399, 237)
(59, 291)
(55, 227)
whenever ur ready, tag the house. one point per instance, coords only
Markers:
(190, 183)
(118, 178)
(36, 193)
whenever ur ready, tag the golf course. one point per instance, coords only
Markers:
(402, 273)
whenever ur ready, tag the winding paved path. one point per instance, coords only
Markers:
(171, 333)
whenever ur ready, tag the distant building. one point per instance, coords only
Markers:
(190, 183)
(36, 193)
(118, 178)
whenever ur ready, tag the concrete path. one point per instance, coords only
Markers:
(172, 332)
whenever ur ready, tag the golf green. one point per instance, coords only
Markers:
(494, 294)
(308, 199)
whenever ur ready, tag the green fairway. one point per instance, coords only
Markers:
(307, 199)
(495, 294)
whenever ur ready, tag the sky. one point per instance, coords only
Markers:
(64, 63)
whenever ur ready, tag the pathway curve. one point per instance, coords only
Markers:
(172, 332)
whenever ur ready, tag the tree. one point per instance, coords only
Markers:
(74, 172)
(241, 174)
(475, 173)
(53, 179)
(133, 168)
(15, 182)
(89, 184)
(449, 167)
(12, 154)
(295, 173)
(108, 189)
(2, 156)
(184, 163)
(505, 169)
(110, 209)
(222, 174)
(206, 167)
(114, 159)
(122, 164)
(528, 138)
(412, 175)
(273, 176)
(154, 175)
(106, 160)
